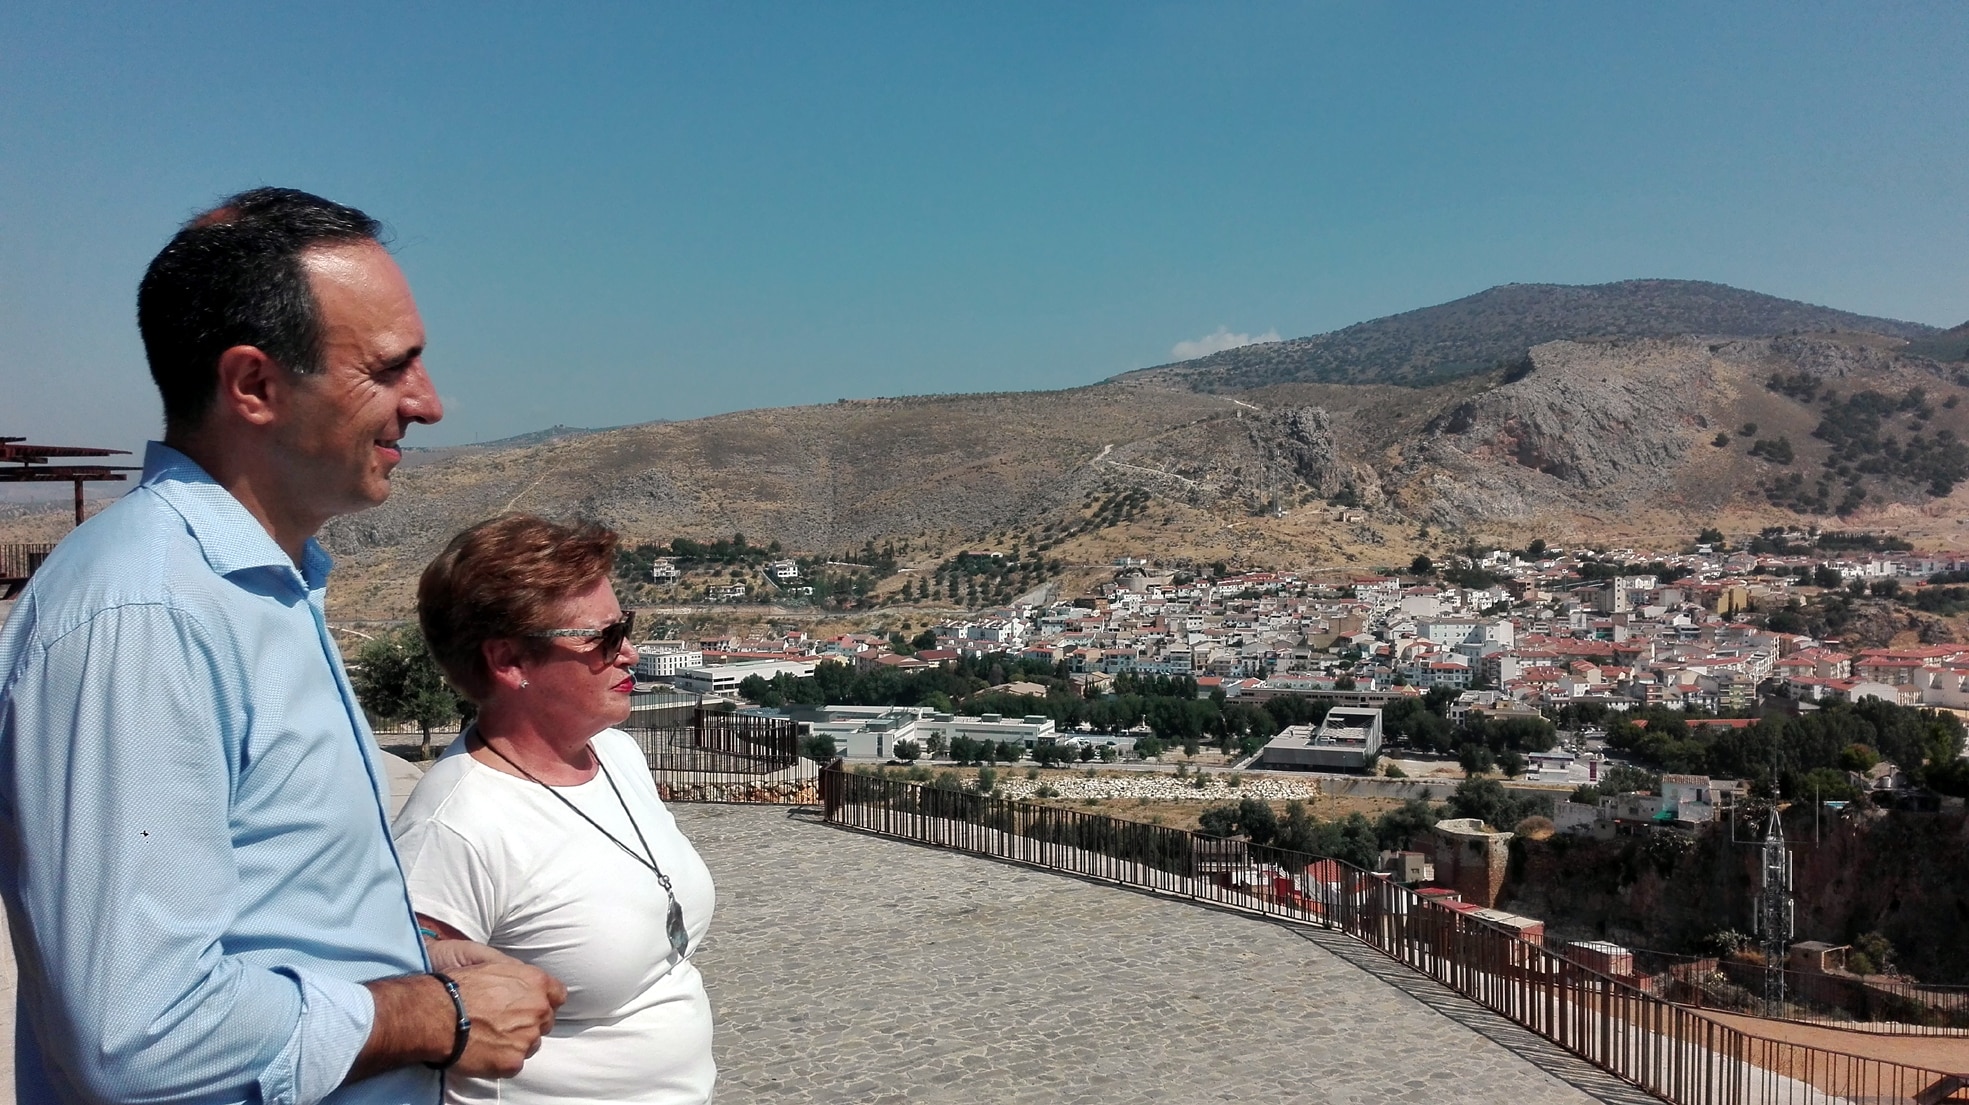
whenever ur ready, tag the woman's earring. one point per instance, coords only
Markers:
(524, 684)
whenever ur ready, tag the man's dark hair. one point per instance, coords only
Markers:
(233, 276)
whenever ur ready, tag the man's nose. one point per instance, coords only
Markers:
(420, 400)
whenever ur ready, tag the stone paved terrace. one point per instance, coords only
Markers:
(849, 968)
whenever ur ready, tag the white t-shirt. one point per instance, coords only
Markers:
(504, 862)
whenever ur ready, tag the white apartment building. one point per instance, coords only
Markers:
(1471, 637)
(665, 661)
(724, 679)
(869, 738)
(1026, 732)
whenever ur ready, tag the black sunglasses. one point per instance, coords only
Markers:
(610, 636)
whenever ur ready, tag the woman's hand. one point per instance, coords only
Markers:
(449, 955)
(448, 949)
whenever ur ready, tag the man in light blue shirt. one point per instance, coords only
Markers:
(203, 896)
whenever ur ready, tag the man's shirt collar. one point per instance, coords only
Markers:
(227, 533)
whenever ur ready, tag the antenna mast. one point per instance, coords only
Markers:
(1774, 913)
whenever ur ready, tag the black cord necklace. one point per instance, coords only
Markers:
(673, 923)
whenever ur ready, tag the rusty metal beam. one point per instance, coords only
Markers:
(12, 451)
(64, 474)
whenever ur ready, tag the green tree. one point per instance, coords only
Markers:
(1858, 757)
(758, 690)
(908, 751)
(1488, 801)
(1511, 762)
(1825, 784)
(819, 749)
(1877, 950)
(1626, 779)
(1218, 822)
(398, 681)
(1398, 828)
(1257, 820)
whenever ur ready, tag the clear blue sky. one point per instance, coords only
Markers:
(616, 213)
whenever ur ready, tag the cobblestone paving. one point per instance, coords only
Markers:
(847, 968)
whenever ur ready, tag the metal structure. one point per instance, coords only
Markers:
(17, 563)
(1774, 912)
(714, 743)
(23, 463)
(1671, 1051)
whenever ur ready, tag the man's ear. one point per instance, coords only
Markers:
(250, 385)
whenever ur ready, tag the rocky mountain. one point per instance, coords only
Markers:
(1636, 440)
(1497, 327)
(1614, 441)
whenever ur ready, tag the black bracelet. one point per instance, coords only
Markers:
(463, 1033)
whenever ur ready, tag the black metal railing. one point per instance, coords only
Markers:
(18, 562)
(717, 745)
(1666, 1049)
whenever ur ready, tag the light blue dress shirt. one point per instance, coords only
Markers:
(194, 853)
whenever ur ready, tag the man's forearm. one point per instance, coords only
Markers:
(511, 1005)
(415, 1023)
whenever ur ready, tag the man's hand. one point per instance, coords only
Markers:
(512, 1006)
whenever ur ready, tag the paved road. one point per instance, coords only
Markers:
(846, 968)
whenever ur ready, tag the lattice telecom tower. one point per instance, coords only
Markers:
(1774, 916)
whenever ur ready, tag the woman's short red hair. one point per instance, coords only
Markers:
(504, 578)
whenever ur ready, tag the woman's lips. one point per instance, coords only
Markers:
(627, 685)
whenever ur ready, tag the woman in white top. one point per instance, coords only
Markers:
(539, 830)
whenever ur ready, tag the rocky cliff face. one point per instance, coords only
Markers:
(1615, 424)
(1904, 875)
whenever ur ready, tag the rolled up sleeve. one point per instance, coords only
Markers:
(120, 787)
(336, 1016)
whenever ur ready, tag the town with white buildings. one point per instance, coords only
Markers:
(1551, 630)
